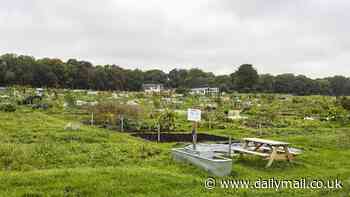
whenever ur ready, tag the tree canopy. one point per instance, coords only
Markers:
(79, 74)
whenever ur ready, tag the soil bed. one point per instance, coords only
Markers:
(180, 137)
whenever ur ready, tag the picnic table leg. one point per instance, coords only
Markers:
(288, 154)
(257, 146)
(272, 157)
(245, 145)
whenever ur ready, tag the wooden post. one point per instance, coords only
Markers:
(158, 129)
(260, 131)
(92, 119)
(209, 122)
(194, 135)
(121, 123)
(287, 153)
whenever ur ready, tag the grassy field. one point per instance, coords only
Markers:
(39, 158)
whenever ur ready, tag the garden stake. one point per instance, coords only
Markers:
(92, 118)
(121, 123)
(158, 129)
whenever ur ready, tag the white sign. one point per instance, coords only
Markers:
(194, 115)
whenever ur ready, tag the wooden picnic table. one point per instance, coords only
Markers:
(268, 149)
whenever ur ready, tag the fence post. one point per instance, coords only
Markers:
(158, 129)
(122, 124)
(92, 118)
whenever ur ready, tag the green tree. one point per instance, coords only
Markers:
(167, 120)
(176, 78)
(10, 77)
(284, 83)
(266, 83)
(223, 82)
(339, 85)
(245, 78)
(345, 102)
(155, 76)
(196, 78)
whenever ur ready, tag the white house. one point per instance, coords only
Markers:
(77, 90)
(3, 89)
(92, 93)
(235, 115)
(153, 87)
(204, 91)
(39, 91)
(80, 102)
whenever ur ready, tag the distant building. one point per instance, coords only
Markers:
(153, 87)
(235, 115)
(2, 89)
(132, 102)
(78, 90)
(39, 91)
(80, 102)
(92, 93)
(205, 91)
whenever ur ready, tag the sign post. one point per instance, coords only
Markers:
(158, 131)
(122, 123)
(194, 115)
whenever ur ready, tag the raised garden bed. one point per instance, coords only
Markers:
(180, 137)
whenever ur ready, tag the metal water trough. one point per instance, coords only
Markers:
(209, 157)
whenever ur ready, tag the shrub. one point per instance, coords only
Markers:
(8, 107)
(345, 103)
(43, 106)
(156, 102)
(109, 113)
(167, 120)
(69, 99)
(181, 91)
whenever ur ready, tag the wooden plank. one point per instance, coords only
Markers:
(283, 157)
(264, 141)
(241, 150)
(279, 150)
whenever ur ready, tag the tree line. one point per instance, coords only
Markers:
(75, 74)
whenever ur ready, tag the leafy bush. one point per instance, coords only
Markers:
(30, 100)
(43, 106)
(167, 120)
(156, 102)
(264, 115)
(8, 107)
(345, 103)
(181, 91)
(109, 113)
(69, 99)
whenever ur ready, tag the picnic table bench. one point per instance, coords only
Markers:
(242, 150)
(268, 149)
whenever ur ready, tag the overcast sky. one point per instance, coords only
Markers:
(310, 37)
